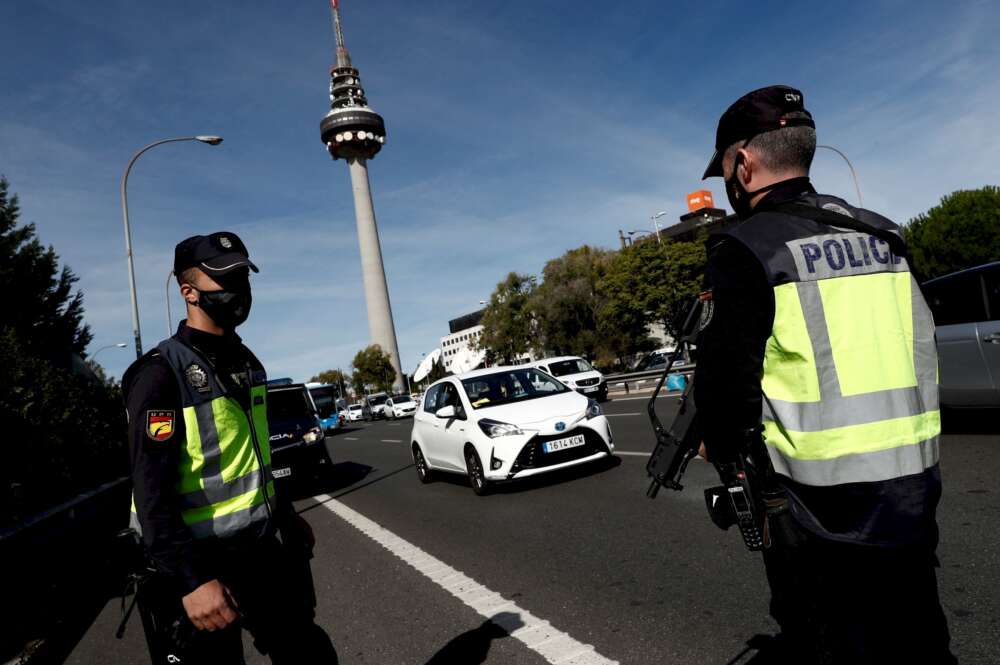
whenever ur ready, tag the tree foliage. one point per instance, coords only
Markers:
(568, 302)
(40, 303)
(509, 326)
(961, 232)
(372, 367)
(63, 424)
(333, 377)
(651, 282)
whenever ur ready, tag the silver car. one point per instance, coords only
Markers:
(966, 308)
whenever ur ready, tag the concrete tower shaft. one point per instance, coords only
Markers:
(355, 133)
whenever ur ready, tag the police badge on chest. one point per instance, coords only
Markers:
(197, 378)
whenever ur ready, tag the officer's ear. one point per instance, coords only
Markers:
(189, 293)
(743, 166)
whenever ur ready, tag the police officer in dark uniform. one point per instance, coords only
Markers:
(815, 337)
(203, 497)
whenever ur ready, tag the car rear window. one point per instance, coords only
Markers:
(288, 404)
(956, 299)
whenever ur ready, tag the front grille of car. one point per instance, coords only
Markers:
(588, 382)
(532, 456)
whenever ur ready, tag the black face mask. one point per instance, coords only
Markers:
(227, 309)
(739, 197)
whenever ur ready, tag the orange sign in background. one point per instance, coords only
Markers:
(700, 199)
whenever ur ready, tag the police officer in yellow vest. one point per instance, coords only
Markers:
(815, 332)
(204, 499)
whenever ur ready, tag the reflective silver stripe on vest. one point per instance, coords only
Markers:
(819, 337)
(211, 450)
(858, 467)
(224, 526)
(236, 487)
(852, 410)
(835, 410)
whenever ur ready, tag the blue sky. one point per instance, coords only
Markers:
(517, 130)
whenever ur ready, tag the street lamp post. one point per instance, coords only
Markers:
(656, 224)
(210, 140)
(854, 175)
(118, 345)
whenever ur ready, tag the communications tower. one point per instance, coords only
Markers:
(355, 133)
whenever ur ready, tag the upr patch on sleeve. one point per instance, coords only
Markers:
(159, 425)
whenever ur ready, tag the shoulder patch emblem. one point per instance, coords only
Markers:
(197, 378)
(159, 425)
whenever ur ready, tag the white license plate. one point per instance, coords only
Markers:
(281, 473)
(591, 389)
(563, 444)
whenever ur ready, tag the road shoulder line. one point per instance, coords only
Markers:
(537, 634)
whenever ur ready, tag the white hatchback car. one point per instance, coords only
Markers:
(355, 412)
(399, 406)
(504, 423)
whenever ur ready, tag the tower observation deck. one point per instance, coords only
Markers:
(353, 132)
(351, 128)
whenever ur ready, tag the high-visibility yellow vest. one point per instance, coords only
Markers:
(850, 378)
(224, 476)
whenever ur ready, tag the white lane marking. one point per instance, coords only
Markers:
(620, 415)
(351, 438)
(392, 441)
(537, 634)
(629, 452)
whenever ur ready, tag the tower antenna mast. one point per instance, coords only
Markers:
(352, 131)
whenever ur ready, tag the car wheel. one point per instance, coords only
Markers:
(475, 470)
(424, 472)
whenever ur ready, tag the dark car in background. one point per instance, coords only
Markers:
(296, 434)
(966, 309)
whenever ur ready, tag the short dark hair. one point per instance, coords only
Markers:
(187, 276)
(780, 150)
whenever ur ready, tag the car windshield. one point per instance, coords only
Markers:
(401, 399)
(375, 400)
(356, 407)
(572, 366)
(515, 385)
(288, 404)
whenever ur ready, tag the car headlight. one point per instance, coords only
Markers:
(313, 435)
(495, 428)
(593, 409)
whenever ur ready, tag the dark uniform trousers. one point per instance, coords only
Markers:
(273, 592)
(852, 604)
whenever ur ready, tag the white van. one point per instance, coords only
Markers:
(577, 374)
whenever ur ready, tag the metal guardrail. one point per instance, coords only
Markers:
(634, 380)
(55, 562)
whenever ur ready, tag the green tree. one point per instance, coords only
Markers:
(648, 283)
(331, 376)
(567, 304)
(64, 423)
(373, 367)
(961, 232)
(509, 326)
(40, 304)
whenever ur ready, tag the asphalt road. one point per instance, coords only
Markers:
(582, 554)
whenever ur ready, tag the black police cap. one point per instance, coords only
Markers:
(762, 110)
(216, 254)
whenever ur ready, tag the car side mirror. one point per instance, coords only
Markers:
(446, 412)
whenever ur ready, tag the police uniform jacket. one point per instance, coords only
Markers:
(728, 393)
